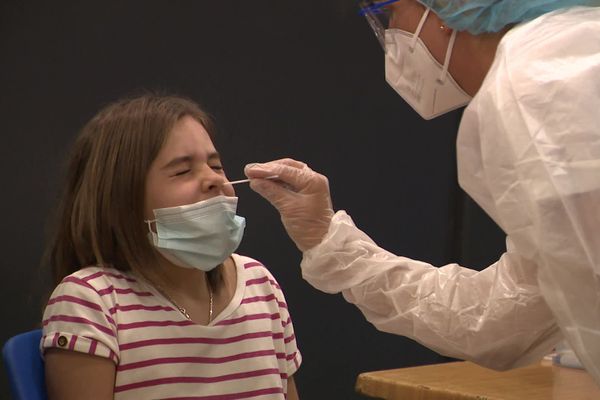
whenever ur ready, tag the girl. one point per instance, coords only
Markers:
(151, 301)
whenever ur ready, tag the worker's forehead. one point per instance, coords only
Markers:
(388, 4)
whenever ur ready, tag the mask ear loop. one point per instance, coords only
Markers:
(419, 28)
(153, 234)
(444, 73)
(150, 222)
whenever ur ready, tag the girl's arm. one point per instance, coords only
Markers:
(75, 375)
(292, 393)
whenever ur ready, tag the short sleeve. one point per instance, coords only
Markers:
(293, 356)
(78, 318)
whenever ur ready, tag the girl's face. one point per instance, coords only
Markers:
(187, 169)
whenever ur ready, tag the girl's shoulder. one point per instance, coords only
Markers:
(96, 276)
(255, 272)
(251, 267)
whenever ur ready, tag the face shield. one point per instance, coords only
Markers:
(378, 17)
(410, 68)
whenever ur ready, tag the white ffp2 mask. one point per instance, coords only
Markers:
(417, 76)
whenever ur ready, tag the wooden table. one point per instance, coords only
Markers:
(467, 381)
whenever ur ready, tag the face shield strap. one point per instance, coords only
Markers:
(419, 29)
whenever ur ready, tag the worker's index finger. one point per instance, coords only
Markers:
(262, 170)
(293, 176)
(291, 162)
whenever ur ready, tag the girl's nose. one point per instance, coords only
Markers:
(212, 180)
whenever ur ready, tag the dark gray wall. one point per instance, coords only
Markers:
(303, 79)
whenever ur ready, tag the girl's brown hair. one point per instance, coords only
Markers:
(100, 218)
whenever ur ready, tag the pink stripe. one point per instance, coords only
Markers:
(77, 300)
(257, 281)
(287, 322)
(196, 379)
(111, 289)
(296, 361)
(55, 339)
(275, 284)
(268, 298)
(92, 276)
(146, 324)
(81, 282)
(278, 336)
(197, 340)
(196, 360)
(78, 320)
(253, 264)
(105, 291)
(73, 299)
(250, 317)
(258, 298)
(289, 338)
(73, 341)
(93, 345)
(106, 273)
(136, 307)
(232, 396)
(287, 357)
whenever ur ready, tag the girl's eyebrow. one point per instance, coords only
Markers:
(177, 161)
(187, 159)
(214, 156)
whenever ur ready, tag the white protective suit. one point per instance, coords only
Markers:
(529, 154)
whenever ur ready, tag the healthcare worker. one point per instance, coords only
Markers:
(529, 154)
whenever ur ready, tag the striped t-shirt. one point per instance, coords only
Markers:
(247, 352)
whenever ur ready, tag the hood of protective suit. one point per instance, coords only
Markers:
(529, 154)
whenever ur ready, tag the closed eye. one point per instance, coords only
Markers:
(182, 172)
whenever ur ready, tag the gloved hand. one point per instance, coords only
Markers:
(299, 194)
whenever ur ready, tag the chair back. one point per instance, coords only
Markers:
(25, 366)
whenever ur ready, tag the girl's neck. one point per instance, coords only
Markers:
(192, 283)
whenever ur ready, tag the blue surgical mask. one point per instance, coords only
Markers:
(200, 235)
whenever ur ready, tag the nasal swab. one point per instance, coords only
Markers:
(248, 180)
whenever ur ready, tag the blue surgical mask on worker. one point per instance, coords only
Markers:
(200, 235)
(418, 77)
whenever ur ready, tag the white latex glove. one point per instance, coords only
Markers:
(301, 196)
